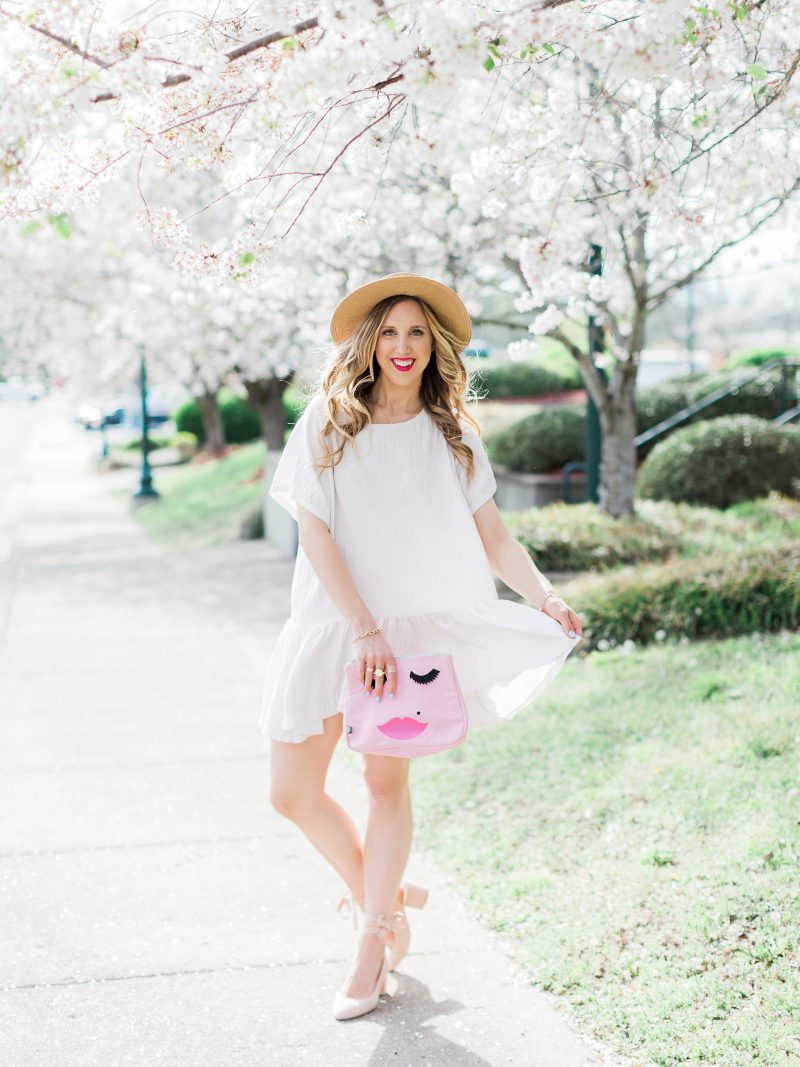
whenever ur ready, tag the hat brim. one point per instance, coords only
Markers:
(447, 304)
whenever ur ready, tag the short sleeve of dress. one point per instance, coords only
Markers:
(296, 481)
(483, 485)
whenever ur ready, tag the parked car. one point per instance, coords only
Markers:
(478, 348)
(16, 388)
(96, 415)
(89, 415)
(93, 416)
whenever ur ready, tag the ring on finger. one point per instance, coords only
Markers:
(379, 673)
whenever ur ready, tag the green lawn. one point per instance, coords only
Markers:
(635, 836)
(204, 504)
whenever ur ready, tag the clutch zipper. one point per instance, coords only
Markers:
(405, 655)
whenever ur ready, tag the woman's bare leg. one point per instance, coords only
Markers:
(387, 845)
(298, 773)
(298, 793)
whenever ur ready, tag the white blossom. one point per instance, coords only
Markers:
(549, 319)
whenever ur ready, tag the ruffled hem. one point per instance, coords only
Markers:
(505, 654)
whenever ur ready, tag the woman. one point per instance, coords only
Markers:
(398, 537)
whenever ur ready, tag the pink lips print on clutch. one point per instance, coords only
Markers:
(427, 714)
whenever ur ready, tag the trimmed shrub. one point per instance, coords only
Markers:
(721, 461)
(714, 596)
(240, 421)
(187, 419)
(183, 439)
(759, 397)
(576, 537)
(153, 442)
(185, 442)
(537, 439)
(776, 513)
(518, 379)
(754, 357)
(558, 361)
(542, 441)
(659, 402)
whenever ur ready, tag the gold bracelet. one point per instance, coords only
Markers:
(551, 593)
(367, 634)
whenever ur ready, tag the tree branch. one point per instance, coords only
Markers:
(661, 295)
(70, 45)
(235, 53)
(595, 383)
(268, 39)
(705, 149)
(394, 103)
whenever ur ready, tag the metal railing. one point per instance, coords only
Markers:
(787, 364)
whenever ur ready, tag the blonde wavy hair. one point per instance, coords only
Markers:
(348, 378)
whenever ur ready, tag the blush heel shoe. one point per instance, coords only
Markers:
(345, 1007)
(412, 896)
(408, 895)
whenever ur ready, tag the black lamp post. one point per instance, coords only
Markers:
(594, 439)
(104, 438)
(690, 325)
(146, 490)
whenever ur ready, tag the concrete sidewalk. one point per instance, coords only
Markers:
(154, 909)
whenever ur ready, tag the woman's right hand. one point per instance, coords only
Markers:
(371, 652)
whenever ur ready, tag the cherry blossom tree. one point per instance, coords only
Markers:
(664, 132)
(660, 200)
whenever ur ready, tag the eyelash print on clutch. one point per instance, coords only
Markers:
(424, 679)
(420, 721)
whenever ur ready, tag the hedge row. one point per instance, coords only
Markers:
(542, 441)
(550, 437)
(754, 357)
(710, 597)
(581, 537)
(657, 402)
(182, 440)
(715, 462)
(240, 421)
(722, 461)
(522, 379)
(759, 397)
(578, 537)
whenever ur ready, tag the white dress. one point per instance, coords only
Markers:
(400, 511)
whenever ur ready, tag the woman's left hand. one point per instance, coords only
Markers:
(563, 614)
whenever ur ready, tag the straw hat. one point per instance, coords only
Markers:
(447, 304)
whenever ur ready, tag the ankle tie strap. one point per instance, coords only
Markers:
(381, 925)
(347, 907)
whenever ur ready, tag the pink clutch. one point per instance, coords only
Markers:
(426, 715)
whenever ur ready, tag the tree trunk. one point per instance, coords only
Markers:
(264, 394)
(618, 460)
(212, 424)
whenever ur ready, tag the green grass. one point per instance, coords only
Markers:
(635, 836)
(204, 504)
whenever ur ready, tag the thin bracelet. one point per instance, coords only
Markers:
(551, 593)
(367, 634)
